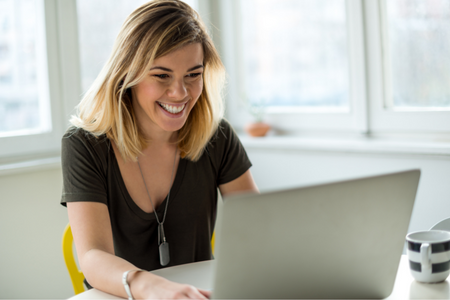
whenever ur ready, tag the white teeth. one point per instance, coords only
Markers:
(172, 109)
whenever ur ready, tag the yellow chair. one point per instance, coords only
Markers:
(213, 240)
(76, 276)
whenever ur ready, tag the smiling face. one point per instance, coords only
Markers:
(165, 97)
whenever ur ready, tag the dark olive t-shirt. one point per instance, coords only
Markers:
(91, 173)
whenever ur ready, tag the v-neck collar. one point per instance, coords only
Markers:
(133, 206)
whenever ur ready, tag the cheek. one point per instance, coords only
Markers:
(147, 92)
(197, 89)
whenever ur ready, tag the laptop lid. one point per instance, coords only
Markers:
(334, 240)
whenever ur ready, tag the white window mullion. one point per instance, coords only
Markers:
(69, 57)
(357, 60)
(374, 58)
(225, 30)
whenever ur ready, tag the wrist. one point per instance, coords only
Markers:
(126, 282)
(143, 284)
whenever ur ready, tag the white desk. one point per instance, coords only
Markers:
(200, 275)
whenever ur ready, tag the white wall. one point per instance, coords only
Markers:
(32, 220)
(275, 169)
(31, 226)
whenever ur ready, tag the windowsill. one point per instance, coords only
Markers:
(363, 145)
(31, 165)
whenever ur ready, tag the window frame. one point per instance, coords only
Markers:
(367, 70)
(384, 121)
(369, 82)
(59, 63)
(295, 119)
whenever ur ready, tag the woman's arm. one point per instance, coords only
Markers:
(243, 183)
(103, 270)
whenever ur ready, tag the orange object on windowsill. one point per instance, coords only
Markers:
(257, 129)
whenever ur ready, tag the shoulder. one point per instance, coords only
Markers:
(223, 141)
(83, 135)
(75, 135)
(223, 133)
(227, 154)
(225, 127)
(78, 142)
(84, 162)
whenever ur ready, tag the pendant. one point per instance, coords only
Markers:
(164, 257)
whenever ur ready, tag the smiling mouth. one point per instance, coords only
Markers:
(173, 109)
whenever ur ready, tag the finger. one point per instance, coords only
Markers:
(205, 293)
(196, 294)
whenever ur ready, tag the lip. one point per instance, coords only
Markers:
(170, 115)
(174, 104)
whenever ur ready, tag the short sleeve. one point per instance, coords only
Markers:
(233, 160)
(83, 164)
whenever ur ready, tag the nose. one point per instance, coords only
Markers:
(177, 90)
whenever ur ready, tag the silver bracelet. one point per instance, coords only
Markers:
(125, 283)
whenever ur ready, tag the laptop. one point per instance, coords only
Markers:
(336, 240)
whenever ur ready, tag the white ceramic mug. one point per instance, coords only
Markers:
(429, 255)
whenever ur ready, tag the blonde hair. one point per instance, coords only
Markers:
(153, 30)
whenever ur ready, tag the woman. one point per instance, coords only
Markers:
(147, 153)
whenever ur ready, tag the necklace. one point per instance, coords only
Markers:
(164, 257)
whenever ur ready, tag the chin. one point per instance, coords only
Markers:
(173, 125)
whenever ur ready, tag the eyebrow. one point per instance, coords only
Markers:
(169, 70)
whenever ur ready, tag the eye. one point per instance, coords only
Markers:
(161, 76)
(193, 75)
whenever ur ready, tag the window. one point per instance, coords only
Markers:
(299, 58)
(372, 67)
(408, 67)
(315, 74)
(24, 105)
(322, 66)
(418, 44)
(30, 115)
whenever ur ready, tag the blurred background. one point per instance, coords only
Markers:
(348, 87)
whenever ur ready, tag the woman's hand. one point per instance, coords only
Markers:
(161, 288)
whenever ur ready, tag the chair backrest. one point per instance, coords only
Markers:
(442, 225)
(76, 276)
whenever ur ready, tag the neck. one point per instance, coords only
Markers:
(160, 142)
(160, 137)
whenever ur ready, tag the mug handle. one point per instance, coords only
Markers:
(425, 255)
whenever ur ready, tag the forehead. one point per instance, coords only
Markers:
(187, 56)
